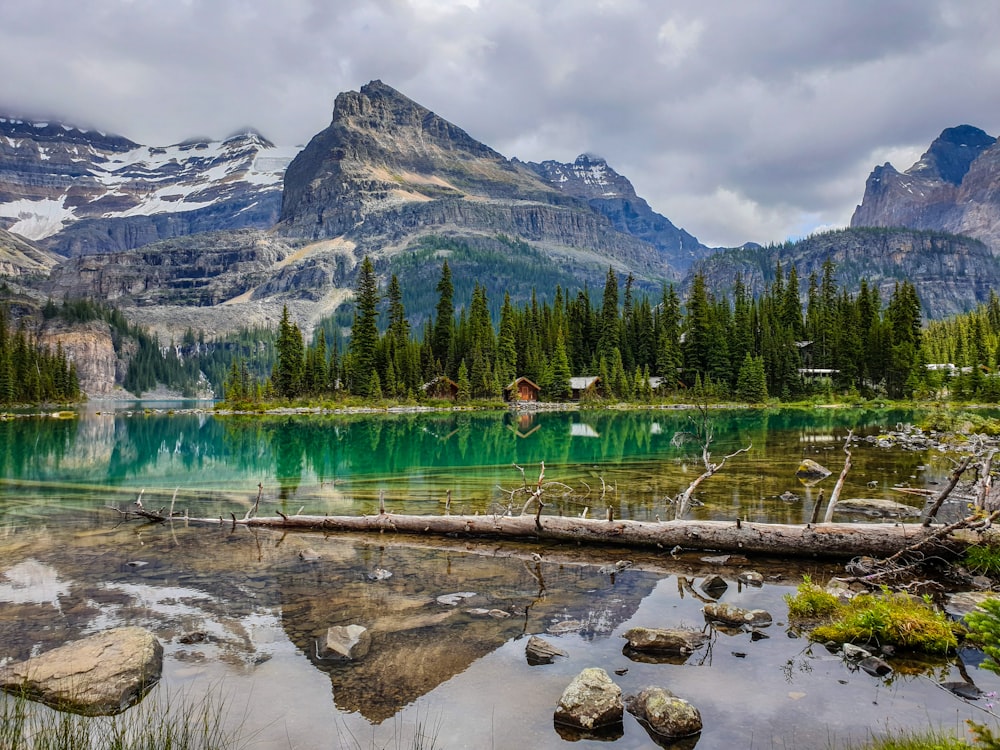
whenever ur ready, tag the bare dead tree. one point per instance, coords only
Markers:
(953, 478)
(835, 495)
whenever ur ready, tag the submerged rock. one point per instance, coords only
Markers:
(591, 701)
(97, 676)
(664, 714)
(877, 508)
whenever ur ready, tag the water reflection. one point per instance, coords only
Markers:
(630, 462)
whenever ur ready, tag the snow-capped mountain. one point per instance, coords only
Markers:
(78, 191)
(612, 195)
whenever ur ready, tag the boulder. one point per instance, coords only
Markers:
(810, 472)
(664, 714)
(727, 614)
(540, 651)
(349, 642)
(100, 675)
(591, 701)
(672, 640)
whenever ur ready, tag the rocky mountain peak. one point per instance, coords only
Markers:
(952, 188)
(952, 153)
(588, 177)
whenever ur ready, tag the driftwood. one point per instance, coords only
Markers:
(836, 540)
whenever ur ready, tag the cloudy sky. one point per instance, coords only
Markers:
(739, 121)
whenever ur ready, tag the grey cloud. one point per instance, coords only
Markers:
(739, 121)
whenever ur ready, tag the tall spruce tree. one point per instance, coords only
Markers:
(364, 333)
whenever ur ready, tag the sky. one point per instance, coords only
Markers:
(740, 121)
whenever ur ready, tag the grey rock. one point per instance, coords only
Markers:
(962, 603)
(540, 651)
(98, 676)
(591, 701)
(351, 642)
(875, 667)
(664, 714)
(728, 614)
(855, 653)
(451, 600)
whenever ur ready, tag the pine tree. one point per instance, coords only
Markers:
(609, 333)
(444, 319)
(751, 385)
(560, 389)
(288, 368)
(364, 332)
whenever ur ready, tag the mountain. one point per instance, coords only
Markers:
(387, 172)
(76, 191)
(612, 195)
(950, 273)
(390, 179)
(954, 187)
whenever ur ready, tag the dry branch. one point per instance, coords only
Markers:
(835, 495)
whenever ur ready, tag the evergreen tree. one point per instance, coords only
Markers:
(286, 376)
(751, 384)
(364, 332)
(444, 319)
(560, 390)
(609, 333)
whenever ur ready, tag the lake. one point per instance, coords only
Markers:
(242, 613)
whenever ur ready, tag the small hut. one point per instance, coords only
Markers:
(441, 387)
(583, 386)
(522, 389)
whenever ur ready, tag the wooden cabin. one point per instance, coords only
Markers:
(584, 386)
(522, 389)
(441, 387)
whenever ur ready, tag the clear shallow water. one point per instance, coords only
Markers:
(68, 567)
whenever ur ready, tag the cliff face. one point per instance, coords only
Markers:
(951, 274)
(203, 271)
(90, 347)
(954, 187)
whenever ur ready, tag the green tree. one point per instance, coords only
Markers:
(751, 384)
(286, 376)
(364, 333)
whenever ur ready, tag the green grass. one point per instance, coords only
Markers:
(880, 619)
(923, 740)
(161, 724)
(983, 559)
(810, 602)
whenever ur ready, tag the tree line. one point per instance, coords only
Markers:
(774, 345)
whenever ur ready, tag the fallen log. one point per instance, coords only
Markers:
(832, 540)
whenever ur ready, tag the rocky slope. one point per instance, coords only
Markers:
(954, 187)
(388, 171)
(612, 195)
(75, 191)
(950, 273)
(20, 258)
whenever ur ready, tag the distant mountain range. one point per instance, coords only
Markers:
(216, 235)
